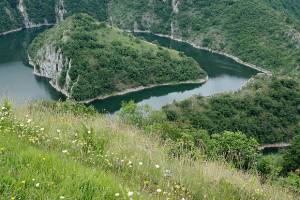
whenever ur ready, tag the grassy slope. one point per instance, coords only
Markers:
(91, 167)
(106, 60)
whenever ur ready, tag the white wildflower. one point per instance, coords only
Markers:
(65, 151)
(130, 194)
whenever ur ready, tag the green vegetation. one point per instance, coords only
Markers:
(95, 8)
(266, 109)
(48, 151)
(292, 156)
(9, 16)
(260, 32)
(40, 11)
(106, 60)
(233, 147)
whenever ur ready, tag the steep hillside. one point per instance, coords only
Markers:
(265, 33)
(64, 151)
(86, 59)
(266, 109)
(9, 16)
(260, 32)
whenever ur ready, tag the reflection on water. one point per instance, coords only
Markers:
(17, 81)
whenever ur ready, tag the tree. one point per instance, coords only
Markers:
(292, 155)
(234, 147)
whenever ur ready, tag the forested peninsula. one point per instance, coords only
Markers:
(86, 60)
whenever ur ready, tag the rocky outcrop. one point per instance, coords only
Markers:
(49, 62)
(26, 20)
(175, 4)
(294, 36)
(60, 11)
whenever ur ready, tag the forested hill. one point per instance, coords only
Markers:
(86, 59)
(265, 33)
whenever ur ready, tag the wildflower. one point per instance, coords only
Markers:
(58, 131)
(61, 197)
(130, 194)
(12, 198)
(157, 166)
(29, 120)
(158, 190)
(3, 108)
(65, 151)
(43, 158)
(23, 182)
(89, 132)
(42, 129)
(140, 163)
(33, 178)
(117, 194)
(37, 185)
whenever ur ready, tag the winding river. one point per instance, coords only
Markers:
(18, 83)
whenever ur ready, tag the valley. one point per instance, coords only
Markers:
(155, 99)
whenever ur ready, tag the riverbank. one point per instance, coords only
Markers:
(22, 28)
(127, 91)
(11, 31)
(101, 97)
(236, 59)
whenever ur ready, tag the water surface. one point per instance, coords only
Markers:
(18, 83)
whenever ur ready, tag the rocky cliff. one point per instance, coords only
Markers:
(50, 62)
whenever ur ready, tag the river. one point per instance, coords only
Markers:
(18, 83)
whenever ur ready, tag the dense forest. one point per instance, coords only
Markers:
(106, 60)
(267, 109)
(225, 25)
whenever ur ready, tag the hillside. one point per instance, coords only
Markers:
(264, 33)
(86, 59)
(66, 151)
(266, 109)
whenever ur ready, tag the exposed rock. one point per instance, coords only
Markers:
(24, 14)
(175, 4)
(294, 35)
(60, 11)
(50, 63)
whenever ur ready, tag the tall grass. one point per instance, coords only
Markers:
(114, 158)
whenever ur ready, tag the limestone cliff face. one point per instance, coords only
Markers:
(60, 11)
(49, 62)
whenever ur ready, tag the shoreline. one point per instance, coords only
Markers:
(127, 91)
(235, 58)
(23, 28)
(140, 88)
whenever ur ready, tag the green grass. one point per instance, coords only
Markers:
(93, 155)
(30, 173)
